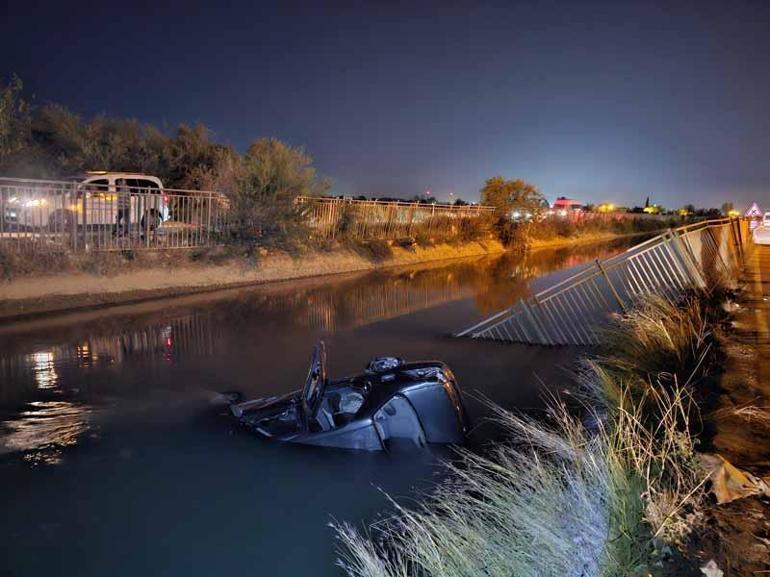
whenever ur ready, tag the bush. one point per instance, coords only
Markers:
(475, 228)
(274, 175)
(379, 249)
(424, 240)
(16, 263)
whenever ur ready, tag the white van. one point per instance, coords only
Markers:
(90, 199)
(149, 206)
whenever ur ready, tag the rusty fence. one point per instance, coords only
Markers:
(571, 311)
(40, 215)
(367, 219)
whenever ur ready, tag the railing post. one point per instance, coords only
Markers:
(685, 254)
(718, 249)
(736, 237)
(149, 216)
(67, 203)
(85, 218)
(612, 286)
(534, 322)
(208, 218)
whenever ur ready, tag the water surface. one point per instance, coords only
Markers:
(114, 462)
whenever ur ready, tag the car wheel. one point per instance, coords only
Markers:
(61, 221)
(152, 219)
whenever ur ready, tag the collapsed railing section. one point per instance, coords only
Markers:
(569, 312)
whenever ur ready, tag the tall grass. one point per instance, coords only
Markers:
(537, 506)
(558, 497)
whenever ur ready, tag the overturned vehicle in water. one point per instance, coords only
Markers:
(392, 399)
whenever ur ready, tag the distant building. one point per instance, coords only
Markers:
(564, 203)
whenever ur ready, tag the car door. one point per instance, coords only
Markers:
(397, 419)
(146, 200)
(99, 205)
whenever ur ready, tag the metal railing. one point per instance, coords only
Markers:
(368, 219)
(39, 215)
(570, 311)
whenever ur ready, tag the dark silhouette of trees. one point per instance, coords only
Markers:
(51, 141)
(15, 120)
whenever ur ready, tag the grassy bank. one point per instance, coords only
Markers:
(70, 282)
(609, 484)
(585, 238)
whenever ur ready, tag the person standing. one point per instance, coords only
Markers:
(122, 223)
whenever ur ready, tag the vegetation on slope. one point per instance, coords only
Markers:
(606, 494)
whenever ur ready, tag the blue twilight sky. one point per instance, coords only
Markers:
(604, 101)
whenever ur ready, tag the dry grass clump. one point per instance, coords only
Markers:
(645, 385)
(659, 337)
(533, 507)
(651, 439)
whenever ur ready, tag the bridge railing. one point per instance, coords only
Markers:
(367, 219)
(47, 215)
(570, 312)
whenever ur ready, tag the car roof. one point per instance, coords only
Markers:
(108, 174)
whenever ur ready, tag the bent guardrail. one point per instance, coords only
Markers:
(569, 312)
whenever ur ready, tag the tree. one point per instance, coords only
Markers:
(15, 120)
(507, 195)
(274, 175)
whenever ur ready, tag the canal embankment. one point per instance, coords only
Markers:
(43, 283)
(112, 279)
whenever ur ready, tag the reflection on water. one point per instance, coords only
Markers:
(39, 369)
(43, 429)
(113, 403)
(44, 370)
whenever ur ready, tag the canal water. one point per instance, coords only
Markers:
(114, 461)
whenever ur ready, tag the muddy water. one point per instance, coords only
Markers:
(114, 462)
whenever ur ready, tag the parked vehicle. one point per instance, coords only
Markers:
(761, 234)
(58, 207)
(392, 399)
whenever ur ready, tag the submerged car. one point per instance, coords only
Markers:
(392, 399)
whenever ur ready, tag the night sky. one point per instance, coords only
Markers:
(603, 101)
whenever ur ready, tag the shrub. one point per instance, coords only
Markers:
(274, 175)
(424, 240)
(474, 228)
(379, 249)
(659, 336)
(16, 262)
